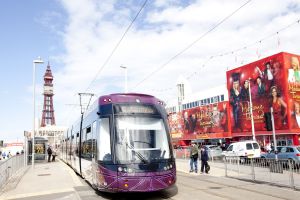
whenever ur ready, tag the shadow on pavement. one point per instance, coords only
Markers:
(164, 194)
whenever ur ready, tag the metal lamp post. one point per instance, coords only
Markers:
(125, 68)
(37, 61)
(273, 133)
(251, 112)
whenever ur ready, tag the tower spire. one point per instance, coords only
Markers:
(48, 110)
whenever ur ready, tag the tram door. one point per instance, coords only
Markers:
(103, 150)
(94, 152)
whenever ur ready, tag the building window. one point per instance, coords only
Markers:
(216, 99)
(222, 97)
(208, 100)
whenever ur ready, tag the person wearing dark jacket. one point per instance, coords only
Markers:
(49, 151)
(194, 157)
(204, 159)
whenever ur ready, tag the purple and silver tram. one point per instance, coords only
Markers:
(122, 144)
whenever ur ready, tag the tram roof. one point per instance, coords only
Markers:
(128, 98)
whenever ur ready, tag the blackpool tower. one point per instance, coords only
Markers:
(48, 110)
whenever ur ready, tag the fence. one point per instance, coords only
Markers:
(281, 172)
(10, 166)
(185, 154)
(278, 172)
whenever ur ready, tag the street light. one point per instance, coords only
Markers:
(251, 112)
(125, 68)
(273, 133)
(37, 61)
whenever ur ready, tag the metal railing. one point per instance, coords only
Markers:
(278, 172)
(185, 154)
(9, 166)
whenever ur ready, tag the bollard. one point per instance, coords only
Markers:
(238, 164)
(225, 162)
(292, 183)
(252, 169)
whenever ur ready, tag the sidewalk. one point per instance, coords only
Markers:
(56, 178)
(216, 168)
(46, 178)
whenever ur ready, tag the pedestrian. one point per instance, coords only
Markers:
(268, 148)
(49, 151)
(204, 158)
(53, 155)
(194, 157)
(3, 154)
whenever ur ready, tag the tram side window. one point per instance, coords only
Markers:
(77, 144)
(104, 151)
(87, 144)
(94, 141)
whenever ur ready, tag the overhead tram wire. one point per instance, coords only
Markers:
(113, 51)
(249, 45)
(117, 45)
(240, 49)
(192, 44)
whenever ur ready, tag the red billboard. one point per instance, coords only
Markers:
(203, 122)
(274, 82)
(292, 68)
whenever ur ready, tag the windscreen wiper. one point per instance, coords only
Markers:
(138, 154)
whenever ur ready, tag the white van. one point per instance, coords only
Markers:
(248, 149)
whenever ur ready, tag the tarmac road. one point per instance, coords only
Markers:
(56, 181)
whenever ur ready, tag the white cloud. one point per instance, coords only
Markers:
(163, 30)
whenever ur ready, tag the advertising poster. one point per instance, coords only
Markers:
(293, 80)
(175, 121)
(203, 122)
(268, 88)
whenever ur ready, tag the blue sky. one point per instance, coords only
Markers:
(77, 36)
(23, 38)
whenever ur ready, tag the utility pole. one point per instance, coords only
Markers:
(251, 112)
(82, 110)
(274, 137)
(125, 82)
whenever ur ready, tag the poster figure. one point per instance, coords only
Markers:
(294, 71)
(235, 98)
(216, 118)
(186, 121)
(245, 91)
(261, 89)
(295, 118)
(267, 76)
(279, 108)
(277, 72)
(223, 117)
(193, 123)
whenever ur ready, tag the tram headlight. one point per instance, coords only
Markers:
(120, 169)
(165, 168)
(130, 170)
(171, 166)
(125, 170)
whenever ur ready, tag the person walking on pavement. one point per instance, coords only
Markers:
(204, 159)
(3, 154)
(49, 151)
(53, 154)
(194, 157)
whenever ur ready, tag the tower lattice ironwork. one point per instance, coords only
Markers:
(48, 110)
